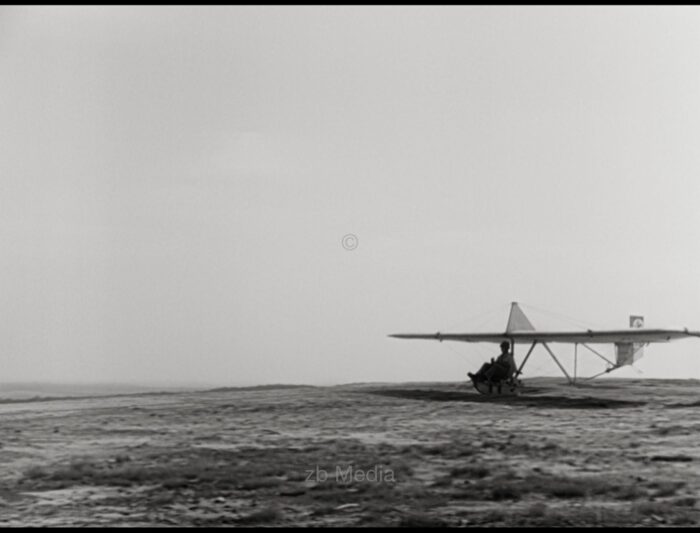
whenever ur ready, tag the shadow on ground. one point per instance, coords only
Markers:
(561, 402)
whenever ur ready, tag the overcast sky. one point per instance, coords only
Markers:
(175, 183)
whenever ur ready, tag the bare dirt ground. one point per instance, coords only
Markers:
(618, 452)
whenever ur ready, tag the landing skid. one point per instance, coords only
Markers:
(502, 388)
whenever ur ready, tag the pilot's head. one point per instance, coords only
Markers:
(505, 345)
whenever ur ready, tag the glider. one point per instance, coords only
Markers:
(629, 344)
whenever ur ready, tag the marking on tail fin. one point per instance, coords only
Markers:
(636, 321)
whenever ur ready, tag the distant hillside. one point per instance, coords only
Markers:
(260, 387)
(23, 391)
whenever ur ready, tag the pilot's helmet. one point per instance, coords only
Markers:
(505, 345)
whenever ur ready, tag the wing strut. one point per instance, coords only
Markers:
(568, 377)
(520, 370)
(606, 371)
(598, 354)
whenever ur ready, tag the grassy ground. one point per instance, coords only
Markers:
(620, 452)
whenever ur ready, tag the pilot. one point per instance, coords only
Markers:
(502, 368)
